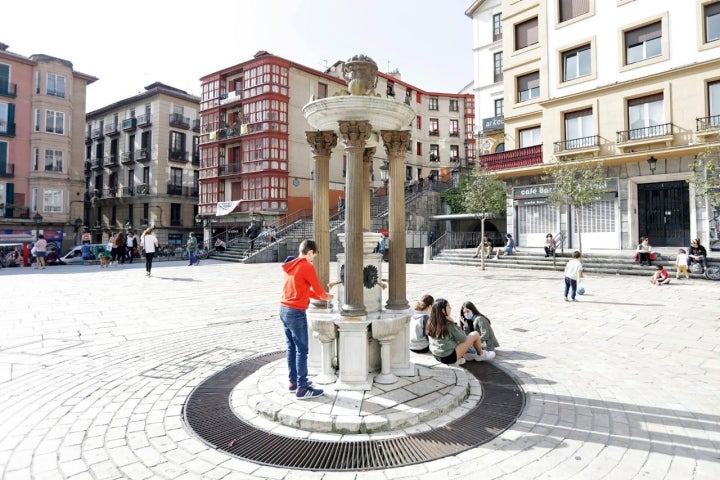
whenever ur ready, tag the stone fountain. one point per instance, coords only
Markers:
(370, 341)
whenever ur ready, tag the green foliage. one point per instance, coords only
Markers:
(706, 176)
(454, 197)
(578, 185)
(484, 193)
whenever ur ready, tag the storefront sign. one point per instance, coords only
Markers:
(492, 124)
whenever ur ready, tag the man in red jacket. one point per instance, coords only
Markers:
(301, 284)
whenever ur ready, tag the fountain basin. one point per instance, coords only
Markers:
(383, 113)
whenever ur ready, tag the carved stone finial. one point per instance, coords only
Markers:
(360, 72)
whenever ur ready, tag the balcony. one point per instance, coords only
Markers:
(522, 157)
(177, 156)
(196, 158)
(182, 191)
(109, 192)
(127, 191)
(577, 146)
(112, 130)
(97, 163)
(7, 129)
(8, 89)
(178, 121)
(645, 136)
(129, 124)
(230, 169)
(97, 134)
(706, 126)
(127, 157)
(231, 97)
(8, 171)
(142, 189)
(142, 155)
(144, 120)
(88, 138)
(196, 125)
(111, 160)
(230, 132)
(88, 166)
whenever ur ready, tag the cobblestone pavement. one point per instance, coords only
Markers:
(95, 366)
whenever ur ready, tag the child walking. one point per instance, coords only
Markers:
(681, 264)
(573, 274)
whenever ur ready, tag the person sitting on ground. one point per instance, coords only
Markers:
(549, 245)
(644, 249)
(474, 321)
(508, 248)
(681, 264)
(219, 245)
(660, 277)
(697, 254)
(448, 343)
(419, 342)
(484, 248)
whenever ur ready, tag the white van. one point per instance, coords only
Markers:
(74, 256)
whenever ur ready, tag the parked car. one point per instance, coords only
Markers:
(75, 257)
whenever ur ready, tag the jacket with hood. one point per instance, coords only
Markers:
(301, 284)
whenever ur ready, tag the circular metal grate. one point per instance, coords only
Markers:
(208, 412)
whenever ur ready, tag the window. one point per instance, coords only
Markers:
(418, 122)
(454, 153)
(576, 63)
(322, 90)
(454, 105)
(6, 118)
(177, 145)
(526, 33)
(645, 113)
(55, 85)
(528, 86)
(497, 67)
(434, 126)
(643, 43)
(418, 148)
(433, 103)
(454, 128)
(499, 107)
(176, 176)
(497, 27)
(146, 176)
(579, 130)
(53, 161)
(52, 200)
(36, 121)
(54, 122)
(530, 137)
(714, 103)
(570, 9)
(390, 88)
(175, 214)
(712, 22)
(434, 153)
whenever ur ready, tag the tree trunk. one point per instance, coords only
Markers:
(482, 243)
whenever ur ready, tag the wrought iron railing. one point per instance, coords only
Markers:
(645, 132)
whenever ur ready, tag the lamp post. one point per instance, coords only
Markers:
(37, 218)
(384, 173)
(652, 163)
(76, 225)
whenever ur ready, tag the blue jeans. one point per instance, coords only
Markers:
(193, 257)
(296, 337)
(570, 284)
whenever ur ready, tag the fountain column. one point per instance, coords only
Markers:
(396, 143)
(321, 144)
(354, 134)
(367, 166)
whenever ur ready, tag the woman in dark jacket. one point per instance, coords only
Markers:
(697, 253)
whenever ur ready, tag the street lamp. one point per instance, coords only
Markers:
(37, 218)
(652, 163)
(384, 172)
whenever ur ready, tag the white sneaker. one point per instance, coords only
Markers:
(485, 355)
(460, 362)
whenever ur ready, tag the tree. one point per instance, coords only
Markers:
(706, 180)
(485, 194)
(580, 186)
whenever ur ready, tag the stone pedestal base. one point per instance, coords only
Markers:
(353, 338)
(321, 335)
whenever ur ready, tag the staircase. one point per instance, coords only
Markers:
(611, 263)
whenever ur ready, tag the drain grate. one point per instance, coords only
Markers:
(208, 412)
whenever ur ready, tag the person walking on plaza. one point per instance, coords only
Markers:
(121, 246)
(131, 245)
(660, 277)
(40, 251)
(301, 284)
(192, 246)
(149, 243)
(448, 343)
(681, 264)
(573, 274)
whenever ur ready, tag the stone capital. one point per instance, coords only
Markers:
(368, 154)
(355, 133)
(321, 142)
(395, 142)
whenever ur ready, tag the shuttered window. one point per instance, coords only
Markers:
(526, 33)
(570, 9)
(643, 43)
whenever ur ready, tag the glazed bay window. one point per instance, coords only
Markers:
(530, 137)
(53, 161)
(570, 9)
(643, 43)
(526, 33)
(55, 85)
(528, 86)
(711, 12)
(646, 117)
(576, 63)
(52, 201)
(54, 122)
